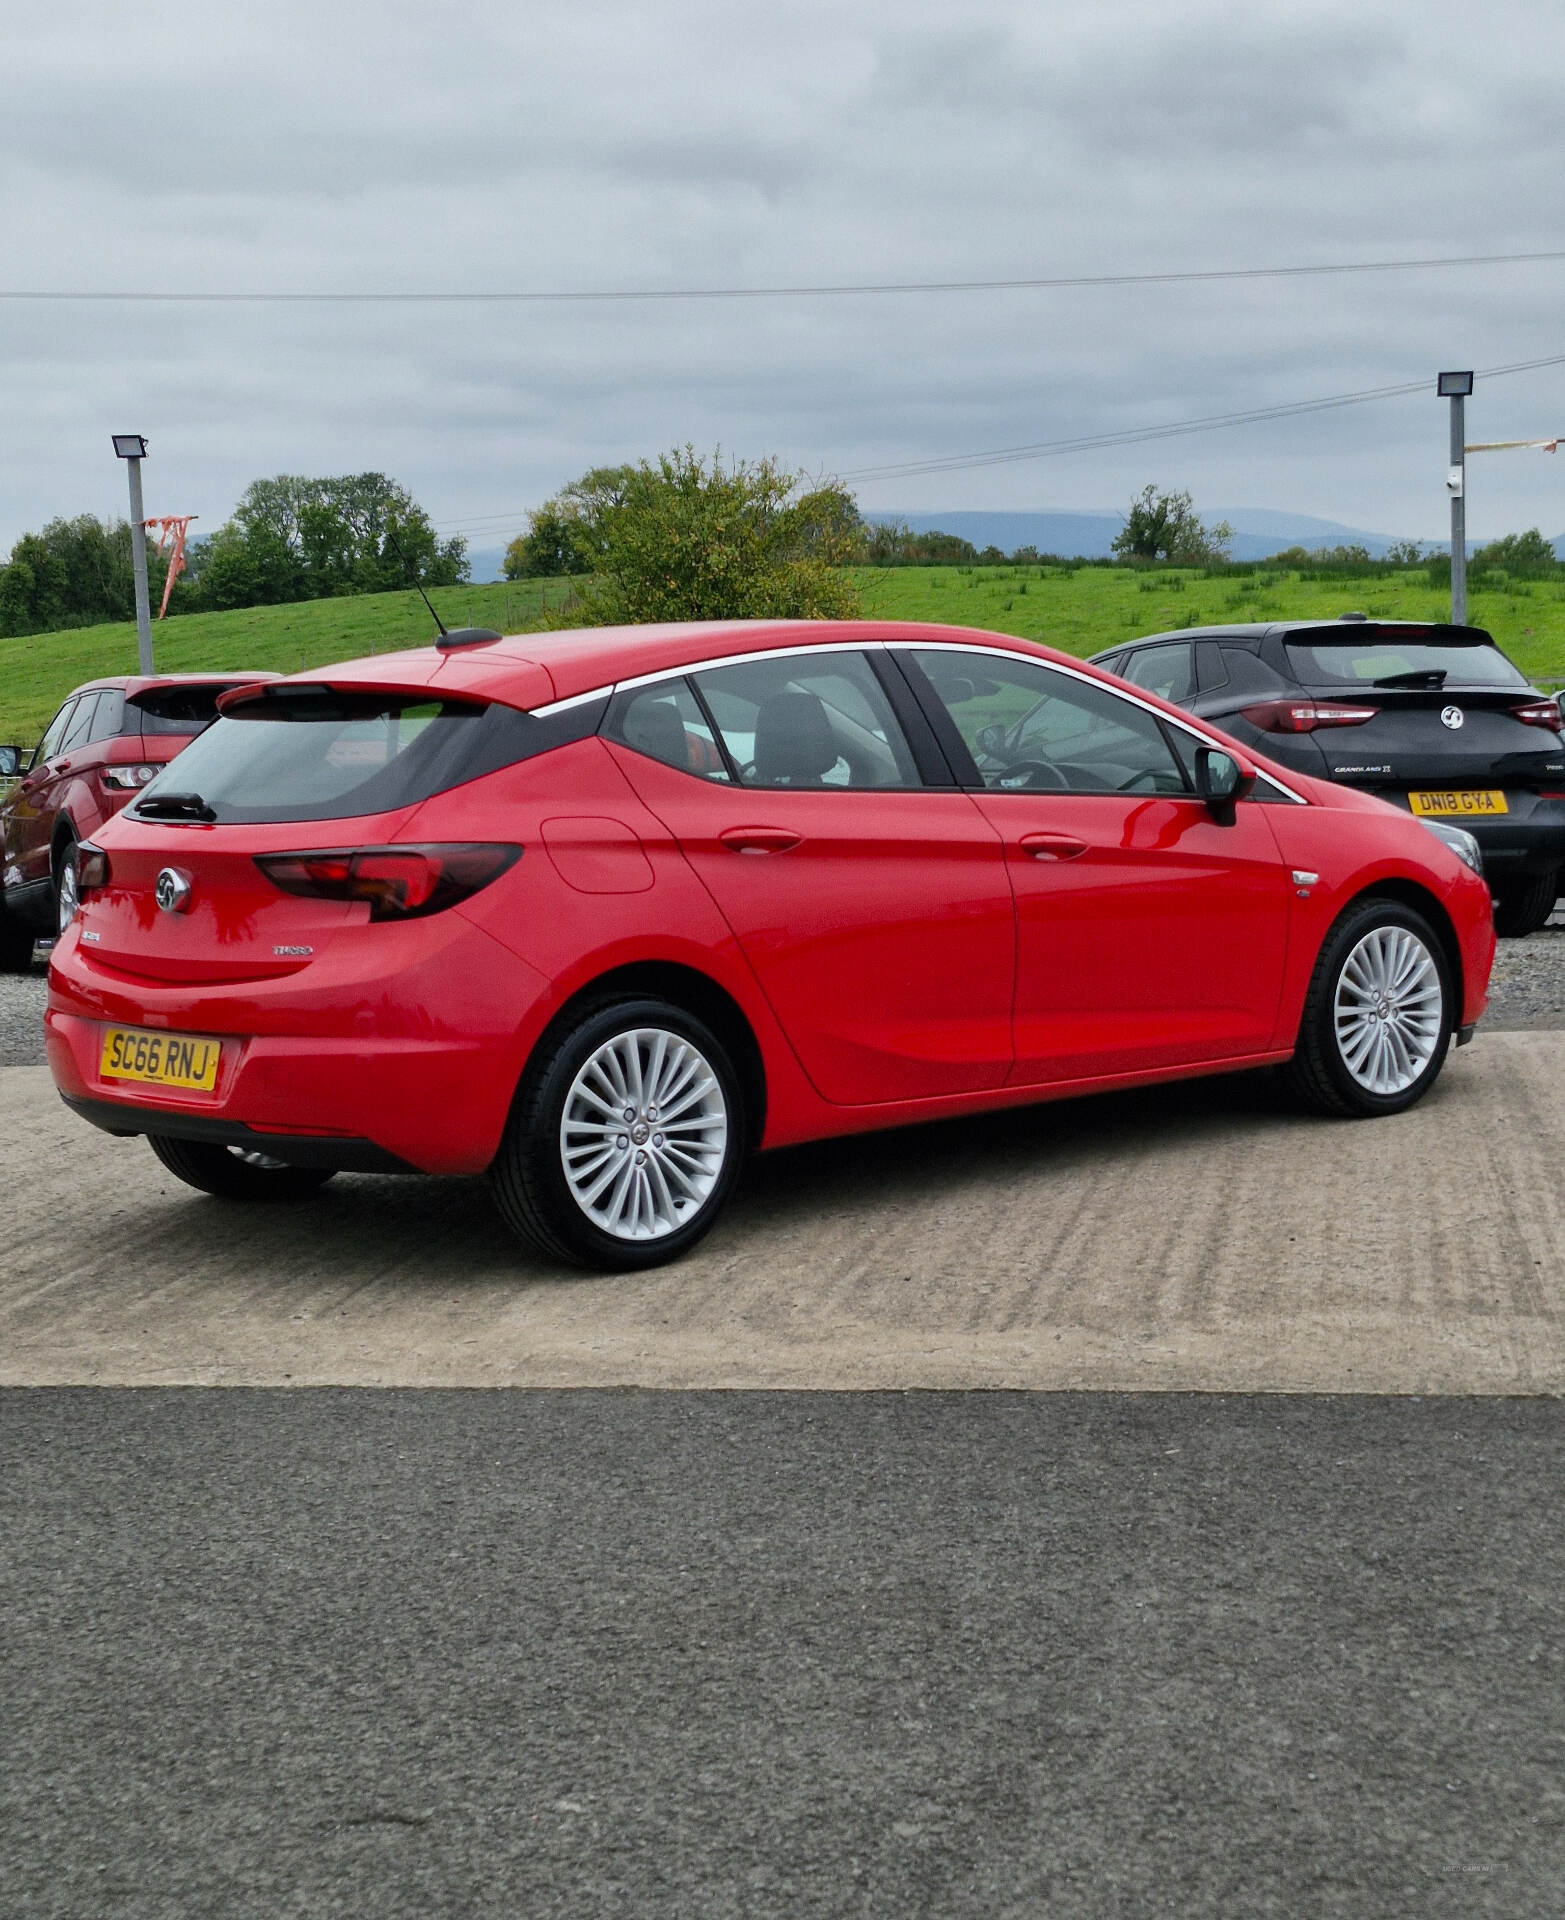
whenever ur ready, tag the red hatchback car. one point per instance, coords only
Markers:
(109, 739)
(594, 913)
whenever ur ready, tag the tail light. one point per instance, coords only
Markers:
(128, 778)
(92, 868)
(1540, 713)
(1304, 716)
(399, 883)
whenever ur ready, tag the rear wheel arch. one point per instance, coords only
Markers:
(64, 834)
(697, 993)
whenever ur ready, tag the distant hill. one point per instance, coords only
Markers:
(1258, 531)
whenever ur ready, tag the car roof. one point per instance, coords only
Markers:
(1262, 629)
(539, 669)
(132, 683)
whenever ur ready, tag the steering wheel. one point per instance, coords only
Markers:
(1049, 777)
(1135, 780)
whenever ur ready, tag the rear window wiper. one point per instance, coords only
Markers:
(173, 806)
(1419, 677)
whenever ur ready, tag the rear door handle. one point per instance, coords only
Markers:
(1051, 846)
(759, 839)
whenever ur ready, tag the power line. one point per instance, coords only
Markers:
(1131, 436)
(1193, 276)
(494, 522)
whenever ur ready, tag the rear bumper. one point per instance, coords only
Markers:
(338, 1153)
(1527, 840)
(410, 1069)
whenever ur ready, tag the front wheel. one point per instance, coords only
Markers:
(235, 1173)
(625, 1139)
(1525, 905)
(1378, 1015)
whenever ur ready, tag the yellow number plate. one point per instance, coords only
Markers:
(164, 1059)
(1478, 800)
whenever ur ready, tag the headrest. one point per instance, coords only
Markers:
(793, 743)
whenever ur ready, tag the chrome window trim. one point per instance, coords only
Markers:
(912, 644)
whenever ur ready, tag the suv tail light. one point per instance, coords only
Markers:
(1304, 716)
(128, 778)
(1540, 713)
(400, 883)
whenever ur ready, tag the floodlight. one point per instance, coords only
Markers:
(133, 446)
(1455, 386)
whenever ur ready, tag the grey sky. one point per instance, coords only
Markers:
(385, 146)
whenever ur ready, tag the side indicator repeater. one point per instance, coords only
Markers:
(1303, 881)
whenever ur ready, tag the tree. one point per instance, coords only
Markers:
(684, 540)
(309, 538)
(1519, 553)
(74, 573)
(1405, 553)
(552, 546)
(1165, 526)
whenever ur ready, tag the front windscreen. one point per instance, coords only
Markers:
(324, 756)
(1410, 658)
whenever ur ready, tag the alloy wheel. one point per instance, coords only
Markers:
(1389, 1010)
(643, 1134)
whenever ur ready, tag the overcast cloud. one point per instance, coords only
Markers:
(347, 146)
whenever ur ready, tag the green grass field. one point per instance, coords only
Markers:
(1081, 611)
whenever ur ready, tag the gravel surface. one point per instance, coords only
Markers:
(21, 1017)
(1528, 990)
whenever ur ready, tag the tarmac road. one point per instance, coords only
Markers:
(553, 1654)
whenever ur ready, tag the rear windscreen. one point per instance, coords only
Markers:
(332, 757)
(1406, 659)
(175, 709)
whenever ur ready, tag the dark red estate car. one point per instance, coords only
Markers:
(594, 913)
(109, 739)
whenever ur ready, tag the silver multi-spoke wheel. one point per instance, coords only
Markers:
(644, 1134)
(1389, 1010)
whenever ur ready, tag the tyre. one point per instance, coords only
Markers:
(67, 893)
(1378, 1016)
(625, 1138)
(1524, 906)
(16, 946)
(234, 1174)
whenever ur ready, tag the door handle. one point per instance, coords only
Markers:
(1051, 846)
(759, 839)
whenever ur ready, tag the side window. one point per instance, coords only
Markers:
(1164, 671)
(665, 723)
(1031, 728)
(106, 722)
(808, 720)
(81, 723)
(1248, 675)
(49, 745)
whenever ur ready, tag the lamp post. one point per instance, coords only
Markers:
(1455, 387)
(132, 449)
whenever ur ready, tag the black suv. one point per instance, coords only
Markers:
(1432, 718)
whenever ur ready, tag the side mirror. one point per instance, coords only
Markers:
(1222, 782)
(10, 762)
(991, 740)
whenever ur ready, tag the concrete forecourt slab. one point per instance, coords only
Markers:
(1200, 1238)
